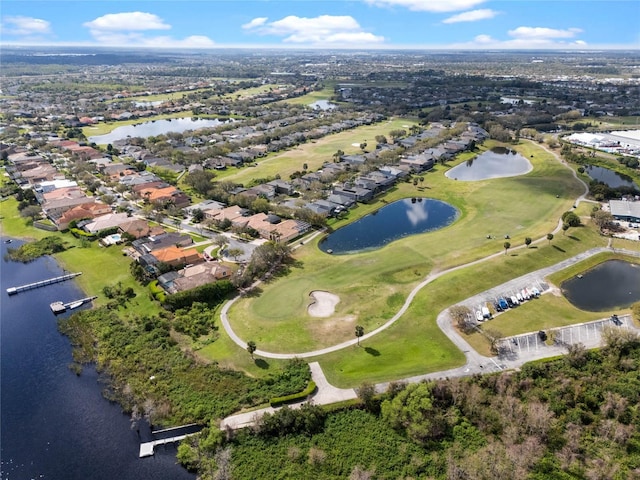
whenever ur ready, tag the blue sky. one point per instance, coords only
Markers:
(431, 24)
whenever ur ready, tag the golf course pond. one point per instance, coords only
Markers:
(153, 128)
(609, 177)
(495, 163)
(610, 285)
(396, 220)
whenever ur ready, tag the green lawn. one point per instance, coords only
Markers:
(373, 285)
(314, 153)
(324, 94)
(100, 266)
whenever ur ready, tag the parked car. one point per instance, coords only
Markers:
(479, 316)
(514, 299)
(497, 307)
(503, 303)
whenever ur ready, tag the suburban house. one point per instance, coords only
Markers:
(194, 276)
(56, 207)
(231, 213)
(163, 195)
(625, 210)
(357, 194)
(176, 256)
(282, 187)
(419, 163)
(156, 242)
(105, 222)
(81, 212)
(138, 228)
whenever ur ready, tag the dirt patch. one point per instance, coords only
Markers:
(323, 305)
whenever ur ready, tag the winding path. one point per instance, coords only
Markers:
(475, 362)
(430, 278)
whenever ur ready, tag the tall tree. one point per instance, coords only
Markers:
(549, 237)
(359, 332)
(527, 241)
(251, 347)
(507, 246)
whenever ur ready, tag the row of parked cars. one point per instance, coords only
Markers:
(510, 301)
(506, 302)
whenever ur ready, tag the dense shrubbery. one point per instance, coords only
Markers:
(32, 250)
(211, 294)
(151, 374)
(294, 397)
(575, 417)
(195, 321)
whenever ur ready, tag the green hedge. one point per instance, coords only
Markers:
(294, 397)
(76, 232)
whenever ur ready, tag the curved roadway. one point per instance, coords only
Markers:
(430, 278)
(475, 363)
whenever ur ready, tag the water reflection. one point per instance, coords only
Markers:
(417, 212)
(612, 284)
(495, 163)
(155, 127)
(609, 177)
(396, 220)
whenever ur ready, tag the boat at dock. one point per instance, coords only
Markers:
(61, 307)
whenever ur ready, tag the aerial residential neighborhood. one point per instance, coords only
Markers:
(319, 262)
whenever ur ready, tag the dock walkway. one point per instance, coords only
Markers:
(42, 283)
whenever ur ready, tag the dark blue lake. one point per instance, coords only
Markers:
(610, 285)
(54, 424)
(609, 177)
(495, 163)
(392, 222)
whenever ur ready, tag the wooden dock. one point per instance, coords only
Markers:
(42, 283)
(61, 307)
(146, 449)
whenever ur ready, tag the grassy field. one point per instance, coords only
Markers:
(372, 286)
(313, 153)
(324, 94)
(100, 266)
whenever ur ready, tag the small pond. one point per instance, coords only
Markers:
(612, 284)
(609, 177)
(156, 127)
(392, 222)
(323, 105)
(495, 163)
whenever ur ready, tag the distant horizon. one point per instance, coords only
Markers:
(459, 25)
(391, 48)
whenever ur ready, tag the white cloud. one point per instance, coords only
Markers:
(437, 6)
(472, 16)
(127, 21)
(527, 38)
(342, 31)
(256, 22)
(543, 33)
(25, 26)
(128, 29)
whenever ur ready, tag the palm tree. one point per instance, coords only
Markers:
(565, 227)
(507, 246)
(527, 241)
(359, 332)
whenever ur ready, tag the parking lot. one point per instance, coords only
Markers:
(557, 339)
(491, 298)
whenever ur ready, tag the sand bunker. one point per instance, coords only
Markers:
(324, 304)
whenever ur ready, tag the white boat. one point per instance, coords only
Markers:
(75, 304)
